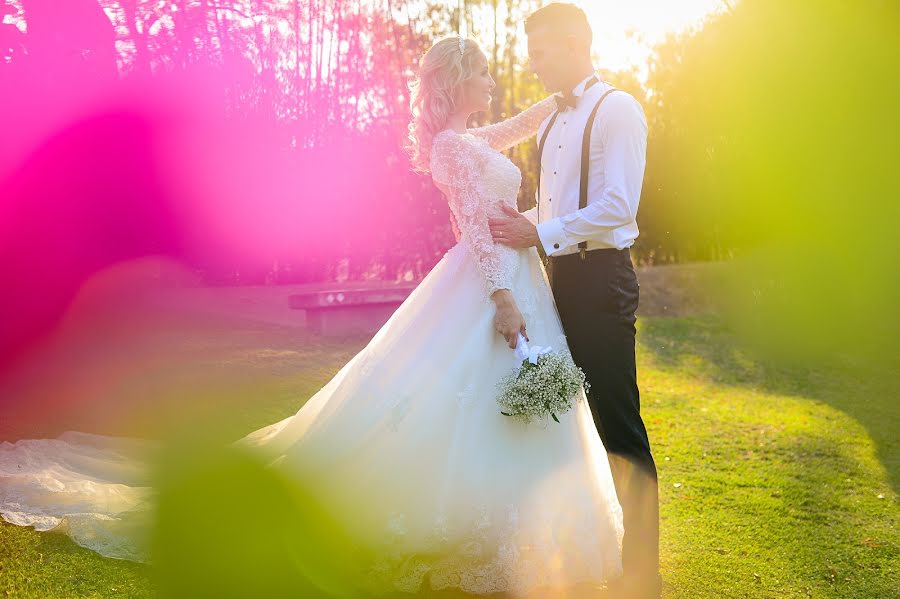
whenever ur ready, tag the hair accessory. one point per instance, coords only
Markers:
(462, 45)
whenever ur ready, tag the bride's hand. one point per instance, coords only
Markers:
(508, 321)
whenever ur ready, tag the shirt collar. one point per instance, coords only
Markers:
(578, 90)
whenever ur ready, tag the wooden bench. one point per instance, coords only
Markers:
(352, 309)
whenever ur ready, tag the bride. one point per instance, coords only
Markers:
(406, 442)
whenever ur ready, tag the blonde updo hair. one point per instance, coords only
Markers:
(436, 93)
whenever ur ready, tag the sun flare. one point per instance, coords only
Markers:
(625, 32)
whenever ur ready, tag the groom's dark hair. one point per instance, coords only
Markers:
(563, 19)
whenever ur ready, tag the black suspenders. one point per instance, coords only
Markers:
(585, 159)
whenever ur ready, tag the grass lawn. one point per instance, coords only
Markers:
(775, 481)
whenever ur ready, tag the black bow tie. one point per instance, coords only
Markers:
(569, 100)
(565, 101)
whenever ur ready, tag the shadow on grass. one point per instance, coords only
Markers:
(704, 346)
(781, 522)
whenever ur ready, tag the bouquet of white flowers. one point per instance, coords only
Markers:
(546, 382)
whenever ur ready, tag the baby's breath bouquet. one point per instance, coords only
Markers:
(546, 383)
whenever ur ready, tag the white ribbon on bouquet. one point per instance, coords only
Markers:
(523, 352)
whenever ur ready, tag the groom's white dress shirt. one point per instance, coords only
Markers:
(618, 157)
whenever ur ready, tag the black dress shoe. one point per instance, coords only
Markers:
(649, 587)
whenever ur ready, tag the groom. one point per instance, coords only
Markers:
(592, 154)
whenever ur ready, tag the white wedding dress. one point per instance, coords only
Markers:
(454, 494)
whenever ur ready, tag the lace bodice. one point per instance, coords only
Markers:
(477, 180)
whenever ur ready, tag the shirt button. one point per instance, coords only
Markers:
(554, 172)
(560, 147)
(555, 246)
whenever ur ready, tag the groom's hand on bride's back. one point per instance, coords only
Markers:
(508, 321)
(514, 230)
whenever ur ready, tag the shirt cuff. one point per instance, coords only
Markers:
(552, 236)
(531, 215)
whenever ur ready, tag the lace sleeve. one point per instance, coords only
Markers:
(517, 129)
(457, 167)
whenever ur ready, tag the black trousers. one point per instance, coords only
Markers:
(597, 298)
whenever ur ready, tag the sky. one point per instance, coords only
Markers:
(625, 32)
